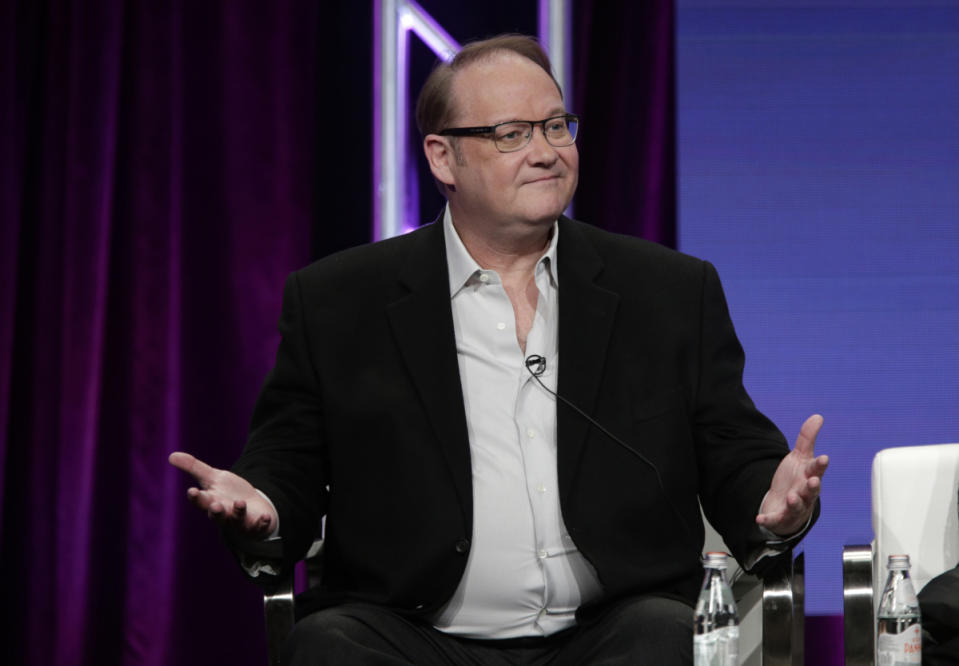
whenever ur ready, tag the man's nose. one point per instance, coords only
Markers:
(541, 150)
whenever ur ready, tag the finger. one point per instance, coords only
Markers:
(205, 500)
(817, 466)
(807, 494)
(199, 498)
(775, 511)
(224, 515)
(808, 488)
(216, 509)
(794, 503)
(813, 473)
(787, 521)
(181, 460)
(806, 441)
(244, 526)
(195, 467)
(262, 526)
(770, 520)
(813, 467)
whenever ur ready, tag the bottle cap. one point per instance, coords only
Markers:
(898, 562)
(715, 559)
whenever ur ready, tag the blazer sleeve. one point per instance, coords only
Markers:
(738, 448)
(284, 455)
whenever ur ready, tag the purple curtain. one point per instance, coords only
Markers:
(157, 187)
(163, 167)
(624, 87)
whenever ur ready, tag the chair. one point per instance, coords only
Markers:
(914, 512)
(771, 610)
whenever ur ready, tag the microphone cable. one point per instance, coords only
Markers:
(536, 366)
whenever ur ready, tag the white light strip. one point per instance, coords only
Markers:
(554, 35)
(555, 20)
(387, 179)
(431, 32)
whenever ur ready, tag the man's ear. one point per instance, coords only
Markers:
(440, 155)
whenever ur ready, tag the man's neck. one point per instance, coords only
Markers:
(512, 253)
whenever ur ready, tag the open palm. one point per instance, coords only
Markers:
(796, 484)
(227, 498)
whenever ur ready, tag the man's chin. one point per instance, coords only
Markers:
(549, 214)
(542, 219)
(546, 210)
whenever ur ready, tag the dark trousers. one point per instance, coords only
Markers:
(644, 630)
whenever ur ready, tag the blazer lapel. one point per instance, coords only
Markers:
(586, 315)
(422, 323)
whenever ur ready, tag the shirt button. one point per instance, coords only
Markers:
(543, 554)
(540, 488)
(483, 277)
(500, 326)
(462, 546)
(531, 433)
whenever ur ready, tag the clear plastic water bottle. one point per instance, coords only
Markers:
(716, 622)
(899, 639)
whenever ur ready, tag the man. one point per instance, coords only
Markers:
(507, 417)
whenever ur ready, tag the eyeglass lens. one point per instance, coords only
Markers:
(559, 131)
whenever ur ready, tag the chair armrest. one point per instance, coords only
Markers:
(784, 614)
(857, 605)
(279, 605)
(278, 608)
(772, 613)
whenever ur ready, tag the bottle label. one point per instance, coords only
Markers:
(719, 647)
(903, 649)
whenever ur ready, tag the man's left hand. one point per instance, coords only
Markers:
(796, 484)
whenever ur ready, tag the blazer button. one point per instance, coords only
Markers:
(463, 546)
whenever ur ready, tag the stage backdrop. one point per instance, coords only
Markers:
(163, 167)
(819, 170)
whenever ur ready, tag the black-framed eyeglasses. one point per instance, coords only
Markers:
(514, 135)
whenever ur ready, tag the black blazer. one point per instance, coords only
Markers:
(362, 419)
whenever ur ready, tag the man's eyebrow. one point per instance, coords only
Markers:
(556, 111)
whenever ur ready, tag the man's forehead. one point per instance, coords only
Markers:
(494, 65)
(490, 83)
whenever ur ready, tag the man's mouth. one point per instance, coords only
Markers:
(544, 179)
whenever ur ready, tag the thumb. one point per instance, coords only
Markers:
(806, 441)
(195, 467)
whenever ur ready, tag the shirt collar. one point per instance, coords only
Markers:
(461, 265)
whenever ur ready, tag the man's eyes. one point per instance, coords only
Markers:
(512, 133)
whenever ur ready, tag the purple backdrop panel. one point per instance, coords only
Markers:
(818, 171)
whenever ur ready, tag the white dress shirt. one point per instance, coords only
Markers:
(524, 575)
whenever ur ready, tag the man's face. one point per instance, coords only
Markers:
(531, 186)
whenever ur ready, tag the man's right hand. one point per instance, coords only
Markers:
(228, 499)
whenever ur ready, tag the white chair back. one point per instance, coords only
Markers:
(914, 510)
